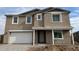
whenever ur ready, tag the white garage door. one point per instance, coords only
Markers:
(20, 37)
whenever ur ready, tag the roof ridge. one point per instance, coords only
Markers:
(36, 9)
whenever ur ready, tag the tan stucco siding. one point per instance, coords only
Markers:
(66, 39)
(49, 37)
(6, 37)
(49, 23)
(36, 37)
(38, 23)
(20, 26)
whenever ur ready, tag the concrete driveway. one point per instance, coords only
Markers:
(14, 47)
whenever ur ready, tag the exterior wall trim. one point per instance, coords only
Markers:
(18, 30)
(56, 12)
(50, 28)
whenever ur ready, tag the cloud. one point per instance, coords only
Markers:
(73, 14)
(75, 23)
(2, 24)
(74, 18)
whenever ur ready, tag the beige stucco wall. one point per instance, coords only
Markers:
(47, 21)
(36, 37)
(66, 40)
(49, 36)
(38, 23)
(20, 26)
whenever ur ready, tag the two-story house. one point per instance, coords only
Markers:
(47, 26)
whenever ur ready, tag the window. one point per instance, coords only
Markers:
(39, 16)
(15, 20)
(29, 20)
(58, 35)
(56, 17)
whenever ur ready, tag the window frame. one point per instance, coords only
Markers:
(58, 38)
(26, 20)
(56, 13)
(40, 16)
(13, 19)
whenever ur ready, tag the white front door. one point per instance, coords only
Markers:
(20, 37)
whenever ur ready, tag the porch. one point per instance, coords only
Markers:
(43, 36)
(54, 37)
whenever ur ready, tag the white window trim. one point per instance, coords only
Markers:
(58, 38)
(40, 15)
(13, 20)
(26, 20)
(56, 13)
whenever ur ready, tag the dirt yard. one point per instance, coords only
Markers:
(55, 48)
(25, 47)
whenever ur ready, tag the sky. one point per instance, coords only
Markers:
(74, 15)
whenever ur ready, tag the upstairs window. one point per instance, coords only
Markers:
(15, 20)
(39, 16)
(29, 20)
(57, 17)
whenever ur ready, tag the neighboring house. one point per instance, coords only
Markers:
(1, 38)
(76, 37)
(47, 26)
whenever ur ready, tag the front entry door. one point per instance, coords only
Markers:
(41, 37)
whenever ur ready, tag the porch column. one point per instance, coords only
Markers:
(52, 37)
(33, 37)
(72, 37)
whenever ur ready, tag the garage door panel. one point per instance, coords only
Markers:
(21, 37)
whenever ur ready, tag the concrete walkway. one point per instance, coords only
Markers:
(14, 47)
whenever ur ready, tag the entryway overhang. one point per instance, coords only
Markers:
(51, 28)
